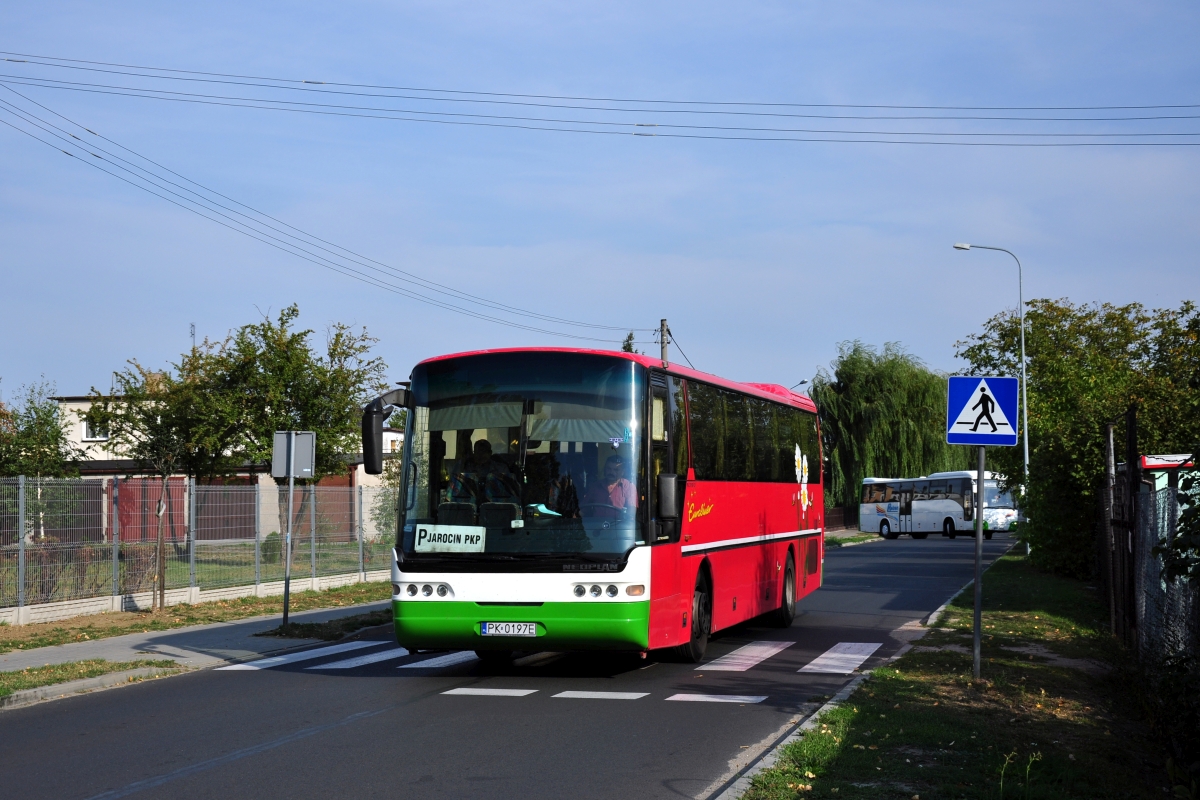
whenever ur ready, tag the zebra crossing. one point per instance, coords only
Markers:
(843, 658)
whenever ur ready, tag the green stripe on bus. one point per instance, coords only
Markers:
(561, 626)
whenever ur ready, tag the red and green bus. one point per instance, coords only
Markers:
(557, 499)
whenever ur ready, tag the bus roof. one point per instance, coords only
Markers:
(767, 391)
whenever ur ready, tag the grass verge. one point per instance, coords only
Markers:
(33, 677)
(101, 626)
(332, 630)
(1050, 719)
(839, 541)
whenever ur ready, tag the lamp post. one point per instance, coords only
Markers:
(1024, 382)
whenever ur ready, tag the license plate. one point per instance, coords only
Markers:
(508, 629)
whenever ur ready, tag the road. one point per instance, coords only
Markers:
(304, 729)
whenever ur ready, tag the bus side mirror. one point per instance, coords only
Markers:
(372, 437)
(668, 496)
(372, 428)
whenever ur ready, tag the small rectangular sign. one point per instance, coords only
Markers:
(303, 459)
(450, 539)
(982, 411)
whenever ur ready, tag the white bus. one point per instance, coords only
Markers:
(943, 502)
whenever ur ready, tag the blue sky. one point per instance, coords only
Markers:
(762, 255)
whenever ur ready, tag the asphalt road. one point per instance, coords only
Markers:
(389, 729)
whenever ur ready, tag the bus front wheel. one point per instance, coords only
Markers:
(783, 616)
(948, 528)
(885, 530)
(701, 620)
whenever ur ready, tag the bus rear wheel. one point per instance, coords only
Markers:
(948, 528)
(693, 651)
(783, 616)
(885, 530)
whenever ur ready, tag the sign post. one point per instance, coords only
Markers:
(293, 455)
(981, 412)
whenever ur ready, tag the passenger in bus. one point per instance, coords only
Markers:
(614, 489)
(484, 478)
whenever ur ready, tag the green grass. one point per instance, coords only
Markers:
(332, 630)
(33, 677)
(100, 626)
(1046, 723)
(839, 541)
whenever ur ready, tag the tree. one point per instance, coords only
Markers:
(183, 420)
(33, 436)
(627, 344)
(881, 415)
(1088, 364)
(284, 384)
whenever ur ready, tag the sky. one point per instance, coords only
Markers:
(763, 256)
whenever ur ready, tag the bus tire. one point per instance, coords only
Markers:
(948, 528)
(783, 616)
(885, 530)
(701, 619)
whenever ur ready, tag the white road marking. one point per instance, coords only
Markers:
(493, 692)
(843, 658)
(362, 661)
(719, 698)
(292, 658)
(602, 695)
(745, 657)
(448, 660)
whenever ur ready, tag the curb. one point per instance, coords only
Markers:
(28, 697)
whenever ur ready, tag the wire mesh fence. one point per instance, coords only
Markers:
(1167, 613)
(64, 539)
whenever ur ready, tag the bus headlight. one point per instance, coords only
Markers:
(635, 591)
(580, 591)
(395, 588)
(611, 591)
(442, 590)
(595, 591)
(412, 590)
(427, 590)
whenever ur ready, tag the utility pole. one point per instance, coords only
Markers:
(663, 338)
(977, 626)
(193, 326)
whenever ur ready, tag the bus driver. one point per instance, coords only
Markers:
(615, 490)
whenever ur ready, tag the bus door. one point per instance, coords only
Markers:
(905, 496)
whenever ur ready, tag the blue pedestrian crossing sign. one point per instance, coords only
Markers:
(982, 411)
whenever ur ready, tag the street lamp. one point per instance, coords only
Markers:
(1024, 382)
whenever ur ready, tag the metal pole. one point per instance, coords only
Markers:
(116, 539)
(258, 534)
(192, 532)
(361, 564)
(1110, 481)
(662, 338)
(979, 484)
(312, 532)
(21, 541)
(287, 544)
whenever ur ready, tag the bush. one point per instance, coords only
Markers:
(272, 548)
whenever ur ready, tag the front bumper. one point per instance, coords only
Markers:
(560, 626)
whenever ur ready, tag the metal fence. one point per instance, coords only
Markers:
(70, 539)
(1157, 618)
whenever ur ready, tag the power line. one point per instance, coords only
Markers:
(274, 104)
(639, 129)
(587, 98)
(239, 227)
(361, 260)
(671, 335)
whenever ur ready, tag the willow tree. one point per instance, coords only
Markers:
(882, 415)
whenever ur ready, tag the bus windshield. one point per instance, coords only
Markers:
(994, 498)
(524, 454)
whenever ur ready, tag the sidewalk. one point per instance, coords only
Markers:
(196, 647)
